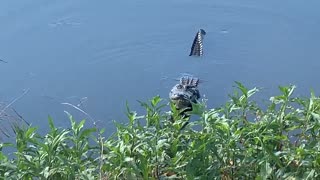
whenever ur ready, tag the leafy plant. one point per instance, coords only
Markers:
(61, 154)
(238, 140)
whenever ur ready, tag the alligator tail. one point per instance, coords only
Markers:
(197, 47)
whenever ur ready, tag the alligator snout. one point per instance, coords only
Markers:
(177, 96)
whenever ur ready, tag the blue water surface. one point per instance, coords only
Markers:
(100, 54)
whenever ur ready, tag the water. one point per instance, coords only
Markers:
(110, 52)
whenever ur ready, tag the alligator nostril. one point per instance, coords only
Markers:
(203, 32)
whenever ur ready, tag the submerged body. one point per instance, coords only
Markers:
(185, 93)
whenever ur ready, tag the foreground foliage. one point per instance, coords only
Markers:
(239, 140)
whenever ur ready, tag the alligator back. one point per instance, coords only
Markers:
(189, 81)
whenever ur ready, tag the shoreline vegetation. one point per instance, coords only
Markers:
(238, 140)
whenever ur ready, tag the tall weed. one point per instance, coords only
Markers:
(238, 140)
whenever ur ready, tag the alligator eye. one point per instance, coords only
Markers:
(179, 86)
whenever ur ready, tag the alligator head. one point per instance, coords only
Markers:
(185, 93)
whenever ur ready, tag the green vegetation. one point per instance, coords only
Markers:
(238, 140)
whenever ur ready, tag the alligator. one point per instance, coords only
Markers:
(186, 92)
(183, 94)
(197, 47)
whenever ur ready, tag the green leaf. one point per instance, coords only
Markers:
(102, 130)
(266, 170)
(242, 88)
(51, 125)
(309, 174)
(316, 117)
(155, 100)
(85, 133)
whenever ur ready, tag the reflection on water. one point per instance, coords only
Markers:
(113, 52)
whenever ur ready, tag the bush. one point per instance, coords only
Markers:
(239, 140)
